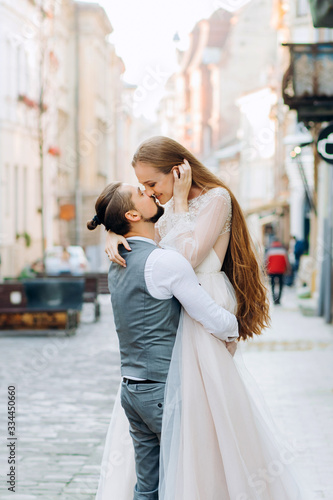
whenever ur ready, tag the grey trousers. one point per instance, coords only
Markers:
(143, 405)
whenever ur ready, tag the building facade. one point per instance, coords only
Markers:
(310, 176)
(226, 104)
(221, 106)
(60, 111)
(21, 39)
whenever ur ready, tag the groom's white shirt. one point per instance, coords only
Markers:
(168, 273)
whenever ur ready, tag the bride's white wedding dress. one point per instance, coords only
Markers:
(218, 441)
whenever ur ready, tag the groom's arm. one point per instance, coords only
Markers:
(168, 273)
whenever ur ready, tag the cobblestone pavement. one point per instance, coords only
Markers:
(293, 365)
(66, 387)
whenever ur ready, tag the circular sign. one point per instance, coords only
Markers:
(325, 143)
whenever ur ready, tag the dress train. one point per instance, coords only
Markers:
(218, 441)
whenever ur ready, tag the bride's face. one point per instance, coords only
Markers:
(155, 182)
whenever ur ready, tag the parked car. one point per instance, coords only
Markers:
(66, 260)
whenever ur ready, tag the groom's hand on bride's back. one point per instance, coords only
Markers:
(232, 347)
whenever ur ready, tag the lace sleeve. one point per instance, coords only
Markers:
(194, 233)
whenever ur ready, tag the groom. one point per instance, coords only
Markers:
(146, 298)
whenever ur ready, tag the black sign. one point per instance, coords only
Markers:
(325, 143)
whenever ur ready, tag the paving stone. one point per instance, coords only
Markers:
(66, 389)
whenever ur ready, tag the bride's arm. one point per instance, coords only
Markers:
(195, 234)
(113, 240)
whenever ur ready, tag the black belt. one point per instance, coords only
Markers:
(130, 381)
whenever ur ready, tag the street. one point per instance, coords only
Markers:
(65, 388)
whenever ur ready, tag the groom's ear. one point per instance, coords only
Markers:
(133, 216)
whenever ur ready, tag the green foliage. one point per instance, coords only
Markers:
(27, 238)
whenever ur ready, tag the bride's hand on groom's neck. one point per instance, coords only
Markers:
(113, 240)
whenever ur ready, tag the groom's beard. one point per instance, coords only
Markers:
(158, 215)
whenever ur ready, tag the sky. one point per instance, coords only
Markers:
(144, 30)
(143, 37)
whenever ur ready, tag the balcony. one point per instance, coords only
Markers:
(307, 85)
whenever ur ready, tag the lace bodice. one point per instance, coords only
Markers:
(206, 225)
(195, 206)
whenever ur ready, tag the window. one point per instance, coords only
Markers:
(38, 193)
(18, 82)
(25, 198)
(6, 184)
(9, 70)
(102, 151)
(16, 199)
(24, 74)
(302, 8)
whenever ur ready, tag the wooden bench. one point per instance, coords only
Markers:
(90, 293)
(94, 284)
(103, 287)
(41, 303)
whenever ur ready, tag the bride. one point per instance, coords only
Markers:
(218, 441)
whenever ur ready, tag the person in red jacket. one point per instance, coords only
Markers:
(277, 264)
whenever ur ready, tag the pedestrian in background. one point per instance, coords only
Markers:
(277, 265)
(299, 250)
(289, 278)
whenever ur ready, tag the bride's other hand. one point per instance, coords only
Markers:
(182, 175)
(113, 240)
(232, 347)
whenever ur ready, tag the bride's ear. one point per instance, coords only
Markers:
(175, 169)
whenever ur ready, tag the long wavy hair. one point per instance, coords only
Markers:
(241, 264)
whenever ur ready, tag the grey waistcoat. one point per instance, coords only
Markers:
(146, 327)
